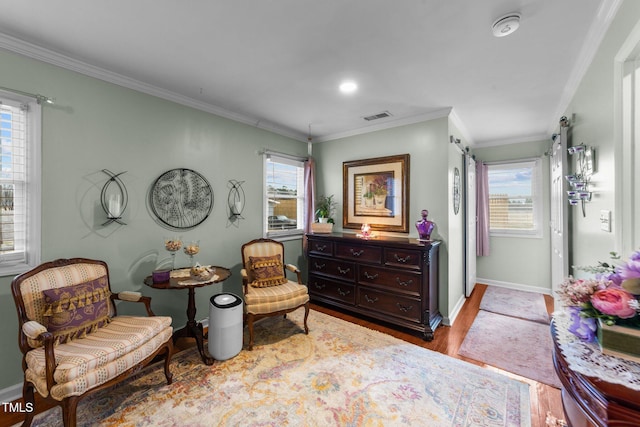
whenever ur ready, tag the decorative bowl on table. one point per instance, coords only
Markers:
(201, 273)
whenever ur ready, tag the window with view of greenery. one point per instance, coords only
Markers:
(19, 183)
(514, 198)
(284, 196)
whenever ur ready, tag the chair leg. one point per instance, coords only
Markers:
(306, 315)
(69, 407)
(250, 326)
(29, 401)
(167, 361)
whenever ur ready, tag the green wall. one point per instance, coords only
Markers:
(592, 112)
(96, 125)
(517, 261)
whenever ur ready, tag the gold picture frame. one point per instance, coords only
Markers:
(376, 192)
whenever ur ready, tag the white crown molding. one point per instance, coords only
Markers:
(388, 124)
(32, 51)
(592, 41)
(515, 140)
(464, 132)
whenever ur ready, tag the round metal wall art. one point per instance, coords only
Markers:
(181, 198)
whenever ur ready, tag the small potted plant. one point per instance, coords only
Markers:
(325, 208)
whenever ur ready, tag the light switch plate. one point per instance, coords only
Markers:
(605, 221)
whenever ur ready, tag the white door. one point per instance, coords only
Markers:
(559, 212)
(471, 221)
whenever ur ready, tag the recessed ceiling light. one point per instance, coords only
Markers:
(348, 87)
(506, 24)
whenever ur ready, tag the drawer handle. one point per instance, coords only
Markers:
(404, 308)
(343, 293)
(356, 253)
(319, 266)
(319, 286)
(343, 272)
(370, 276)
(402, 260)
(401, 283)
(321, 248)
(371, 300)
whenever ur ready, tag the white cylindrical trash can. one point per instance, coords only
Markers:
(225, 326)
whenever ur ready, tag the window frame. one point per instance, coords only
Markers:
(28, 258)
(536, 199)
(287, 234)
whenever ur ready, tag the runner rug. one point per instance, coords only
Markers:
(340, 374)
(515, 303)
(515, 345)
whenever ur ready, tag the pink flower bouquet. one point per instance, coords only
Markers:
(611, 296)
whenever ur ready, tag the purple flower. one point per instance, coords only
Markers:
(583, 328)
(614, 278)
(630, 274)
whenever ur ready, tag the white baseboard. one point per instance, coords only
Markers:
(205, 323)
(449, 320)
(11, 393)
(517, 286)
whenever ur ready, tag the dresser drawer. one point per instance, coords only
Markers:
(401, 280)
(332, 267)
(392, 304)
(325, 288)
(359, 253)
(406, 258)
(320, 247)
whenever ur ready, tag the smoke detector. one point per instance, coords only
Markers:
(506, 24)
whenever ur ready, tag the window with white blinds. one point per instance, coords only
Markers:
(19, 183)
(283, 196)
(515, 198)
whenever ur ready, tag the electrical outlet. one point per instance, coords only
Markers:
(605, 221)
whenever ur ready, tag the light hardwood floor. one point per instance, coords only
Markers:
(447, 340)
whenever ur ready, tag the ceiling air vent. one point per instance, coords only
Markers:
(377, 116)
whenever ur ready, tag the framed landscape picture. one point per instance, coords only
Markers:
(376, 192)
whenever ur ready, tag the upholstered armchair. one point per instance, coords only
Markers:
(72, 341)
(267, 291)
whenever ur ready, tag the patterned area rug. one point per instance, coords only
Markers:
(519, 346)
(340, 374)
(515, 303)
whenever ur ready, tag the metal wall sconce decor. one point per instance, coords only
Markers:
(114, 200)
(579, 194)
(236, 200)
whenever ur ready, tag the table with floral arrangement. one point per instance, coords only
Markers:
(599, 389)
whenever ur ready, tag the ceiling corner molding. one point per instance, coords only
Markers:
(388, 124)
(464, 132)
(592, 41)
(515, 140)
(38, 53)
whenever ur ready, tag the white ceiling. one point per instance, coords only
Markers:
(277, 64)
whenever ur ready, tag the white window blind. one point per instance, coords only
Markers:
(19, 184)
(284, 196)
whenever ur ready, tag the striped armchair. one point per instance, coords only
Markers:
(72, 341)
(267, 291)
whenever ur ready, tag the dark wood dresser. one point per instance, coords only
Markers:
(388, 278)
(592, 402)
